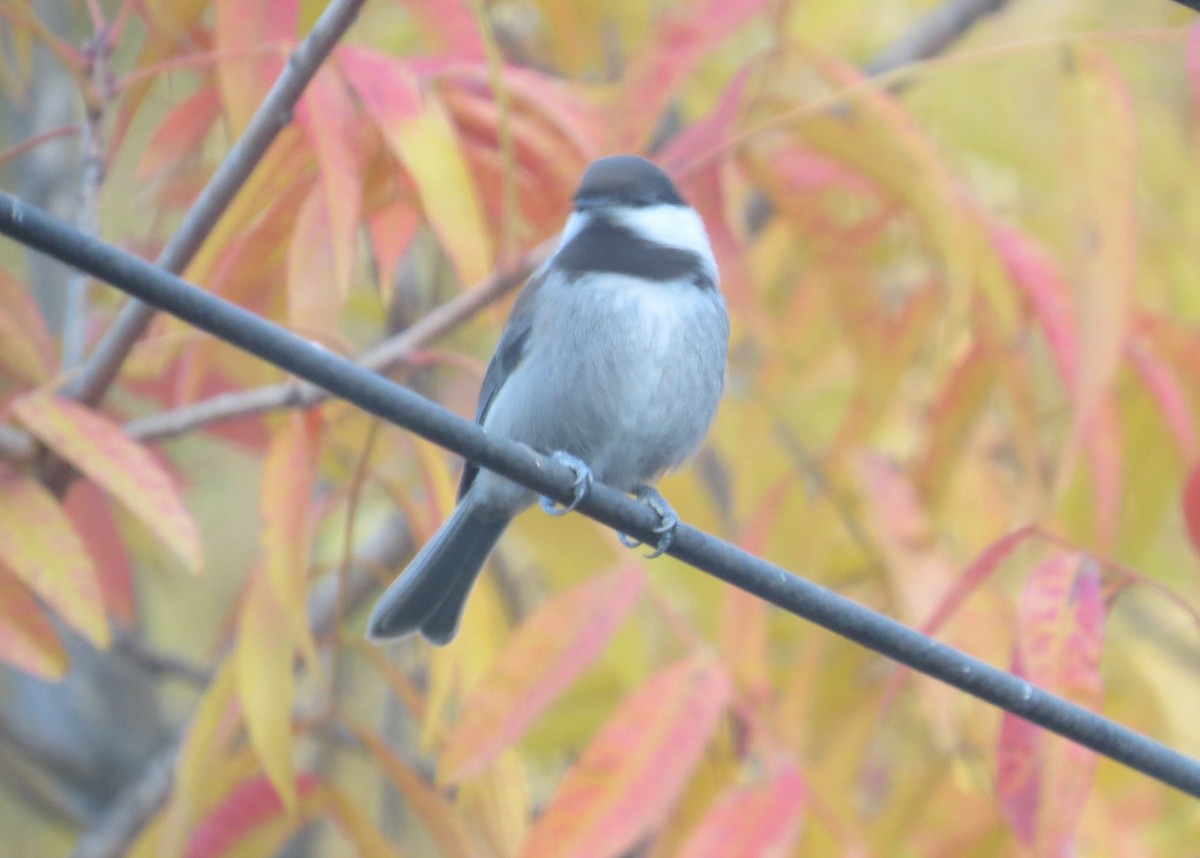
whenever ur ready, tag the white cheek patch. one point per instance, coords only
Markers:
(674, 226)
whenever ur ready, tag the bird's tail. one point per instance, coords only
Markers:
(430, 594)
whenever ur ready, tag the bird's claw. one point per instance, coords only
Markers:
(583, 483)
(668, 521)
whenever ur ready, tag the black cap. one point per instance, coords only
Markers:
(625, 180)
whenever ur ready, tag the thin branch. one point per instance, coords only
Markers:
(91, 176)
(931, 35)
(16, 446)
(273, 115)
(401, 406)
(389, 354)
(160, 664)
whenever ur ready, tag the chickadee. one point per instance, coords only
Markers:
(613, 361)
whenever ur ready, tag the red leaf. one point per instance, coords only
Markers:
(680, 40)
(1043, 780)
(330, 121)
(542, 657)
(27, 637)
(252, 804)
(1191, 506)
(758, 821)
(91, 513)
(628, 778)
(1039, 279)
(181, 132)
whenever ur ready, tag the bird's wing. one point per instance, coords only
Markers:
(509, 353)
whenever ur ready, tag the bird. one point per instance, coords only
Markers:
(612, 362)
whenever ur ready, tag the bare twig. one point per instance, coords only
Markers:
(383, 357)
(116, 830)
(15, 445)
(132, 810)
(275, 113)
(932, 34)
(74, 330)
(136, 650)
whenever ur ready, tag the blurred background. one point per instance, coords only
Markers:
(958, 244)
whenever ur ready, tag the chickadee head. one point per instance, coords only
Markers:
(625, 180)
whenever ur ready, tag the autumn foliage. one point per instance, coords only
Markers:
(964, 390)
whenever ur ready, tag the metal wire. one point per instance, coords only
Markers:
(395, 403)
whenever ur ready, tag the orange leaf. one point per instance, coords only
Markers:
(330, 120)
(628, 778)
(266, 683)
(313, 301)
(541, 658)
(1101, 159)
(26, 347)
(1043, 780)
(753, 821)
(417, 130)
(27, 637)
(246, 30)
(445, 826)
(100, 449)
(181, 133)
(251, 805)
(392, 229)
(39, 546)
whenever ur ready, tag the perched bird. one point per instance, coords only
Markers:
(613, 361)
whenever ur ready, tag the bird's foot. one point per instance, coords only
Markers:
(583, 483)
(668, 521)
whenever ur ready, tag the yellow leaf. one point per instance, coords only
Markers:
(100, 449)
(203, 745)
(266, 683)
(1100, 154)
(39, 545)
(419, 132)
